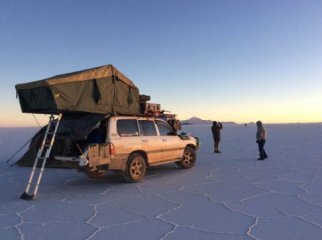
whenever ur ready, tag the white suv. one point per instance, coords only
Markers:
(134, 143)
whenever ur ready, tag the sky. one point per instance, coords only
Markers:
(224, 60)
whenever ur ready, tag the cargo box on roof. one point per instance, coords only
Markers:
(99, 90)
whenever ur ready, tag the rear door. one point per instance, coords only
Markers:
(127, 139)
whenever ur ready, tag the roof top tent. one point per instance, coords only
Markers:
(84, 97)
(99, 90)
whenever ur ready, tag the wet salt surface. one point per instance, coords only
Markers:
(225, 196)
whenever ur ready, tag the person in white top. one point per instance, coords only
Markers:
(261, 136)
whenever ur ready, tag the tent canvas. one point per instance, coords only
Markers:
(100, 90)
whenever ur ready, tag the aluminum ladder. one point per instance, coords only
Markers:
(42, 155)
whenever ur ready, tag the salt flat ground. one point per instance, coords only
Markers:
(225, 196)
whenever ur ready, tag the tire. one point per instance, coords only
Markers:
(136, 168)
(188, 159)
(95, 174)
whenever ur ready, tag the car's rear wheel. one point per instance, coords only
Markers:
(136, 168)
(188, 159)
(95, 173)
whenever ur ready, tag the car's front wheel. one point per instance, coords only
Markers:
(188, 159)
(136, 168)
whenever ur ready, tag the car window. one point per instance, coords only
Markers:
(127, 127)
(147, 128)
(164, 128)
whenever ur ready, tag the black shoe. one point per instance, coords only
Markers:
(260, 158)
(217, 151)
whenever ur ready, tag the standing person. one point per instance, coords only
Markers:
(215, 129)
(261, 139)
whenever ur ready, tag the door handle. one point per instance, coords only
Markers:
(145, 140)
(164, 140)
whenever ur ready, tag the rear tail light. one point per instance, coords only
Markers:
(112, 149)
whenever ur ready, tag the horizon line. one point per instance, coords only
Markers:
(268, 123)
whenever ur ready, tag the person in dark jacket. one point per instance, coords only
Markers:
(261, 136)
(215, 129)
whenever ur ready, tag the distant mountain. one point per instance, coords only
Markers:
(196, 120)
